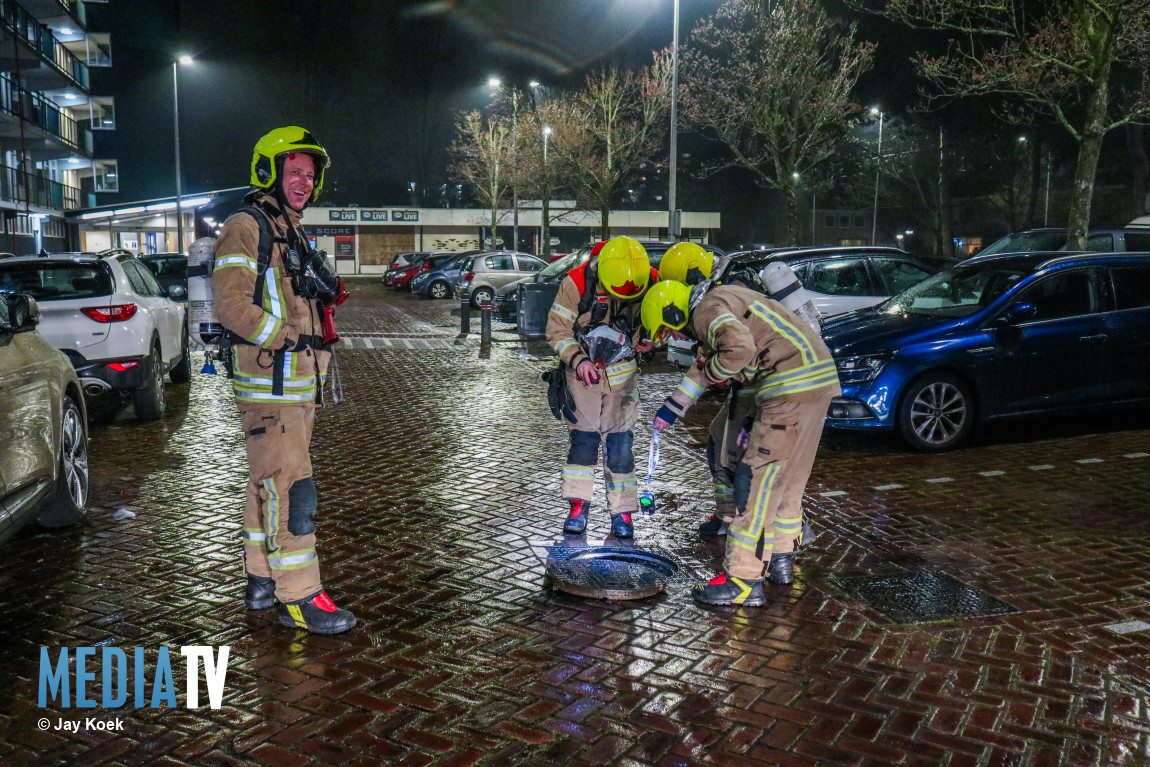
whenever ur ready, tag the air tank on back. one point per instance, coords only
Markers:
(203, 326)
(783, 286)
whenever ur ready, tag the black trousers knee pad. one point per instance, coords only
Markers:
(302, 504)
(620, 452)
(584, 448)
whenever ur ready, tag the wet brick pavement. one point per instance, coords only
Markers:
(438, 475)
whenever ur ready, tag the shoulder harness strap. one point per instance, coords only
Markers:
(268, 239)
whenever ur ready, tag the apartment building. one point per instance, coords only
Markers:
(49, 113)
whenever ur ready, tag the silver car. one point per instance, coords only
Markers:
(492, 270)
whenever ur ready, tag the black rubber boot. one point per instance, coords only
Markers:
(621, 526)
(726, 589)
(576, 523)
(713, 527)
(260, 593)
(318, 614)
(781, 570)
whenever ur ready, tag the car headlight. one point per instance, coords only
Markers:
(863, 368)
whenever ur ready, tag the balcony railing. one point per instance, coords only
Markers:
(42, 192)
(43, 113)
(24, 26)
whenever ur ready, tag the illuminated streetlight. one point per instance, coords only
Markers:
(186, 61)
(494, 82)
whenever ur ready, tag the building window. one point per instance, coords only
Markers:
(99, 46)
(103, 112)
(859, 223)
(107, 177)
(844, 222)
(829, 221)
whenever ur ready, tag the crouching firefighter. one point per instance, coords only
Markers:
(594, 326)
(273, 294)
(748, 338)
(693, 265)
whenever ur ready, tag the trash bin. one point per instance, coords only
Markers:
(532, 305)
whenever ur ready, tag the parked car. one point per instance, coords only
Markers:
(115, 323)
(44, 447)
(438, 280)
(400, 263)
(1131, 238)
(507, 298)
(171, 271)
(843, 279)
(490, 271)
(401, 278)
(995, 336)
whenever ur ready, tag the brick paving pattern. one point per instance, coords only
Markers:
(438, 479)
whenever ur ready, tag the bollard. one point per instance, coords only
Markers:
(485, 325)
(464, 313)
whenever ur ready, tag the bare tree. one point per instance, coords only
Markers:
(483, 158)
(611, 128)
(773, 81)
(1084, 62)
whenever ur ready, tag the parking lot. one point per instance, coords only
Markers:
(438, 478)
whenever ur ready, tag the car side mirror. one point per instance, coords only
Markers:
(1016, 314)
(176, 292)
(22, 312)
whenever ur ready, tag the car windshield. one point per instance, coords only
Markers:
(55, 281)
(1026, 242)
(564, 264)
(167, 266)
(956, 292)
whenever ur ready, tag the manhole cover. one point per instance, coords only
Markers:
(604, 572)
(921, 596)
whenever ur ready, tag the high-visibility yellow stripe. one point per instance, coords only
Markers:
(562, 311)
(690, 388)
(788, 331)
(235, 259)
(717, 323)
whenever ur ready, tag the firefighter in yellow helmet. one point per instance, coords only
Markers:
(745, 336)
(269, 288)
(594, 327)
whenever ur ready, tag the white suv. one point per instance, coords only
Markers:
(111, 318)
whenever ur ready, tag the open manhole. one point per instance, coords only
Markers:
(921, 596)
(605, 572)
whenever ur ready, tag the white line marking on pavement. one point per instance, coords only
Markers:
(887, 487)
(995, 473)
(367, 344)
(1089, 460)
(1128, 627)
(937, 480)
(407, 343)
(1041, 467)
(833, 493)
(1136, 455)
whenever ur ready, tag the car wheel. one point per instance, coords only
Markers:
(438, 289)
(481, 296)
(71, 496)
(936, 413)
(149, 401)
(182, 372)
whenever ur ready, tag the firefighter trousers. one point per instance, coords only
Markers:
(770, 478)
(279, 531)
(606, 415)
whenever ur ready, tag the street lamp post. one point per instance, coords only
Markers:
(674, 228)
(877, 170)
(185, 60)
(544, 230)
(495, 82)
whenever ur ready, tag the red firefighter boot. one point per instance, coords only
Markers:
(621, 526)
(318, 614)
(576, 523)
(260, 593)
(726, 589)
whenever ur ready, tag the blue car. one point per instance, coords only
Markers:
(440, 275)
(995, 336)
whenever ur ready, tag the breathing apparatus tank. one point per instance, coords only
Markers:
(783, 286)
(203, 326)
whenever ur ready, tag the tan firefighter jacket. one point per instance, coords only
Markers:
(561, 321)
(283, 362)
(746, 336)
